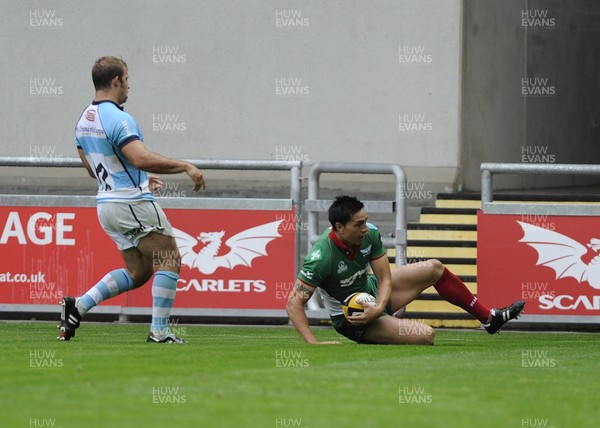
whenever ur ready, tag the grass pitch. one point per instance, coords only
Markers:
(107, 376)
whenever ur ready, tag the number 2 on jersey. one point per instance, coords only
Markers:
(102, 175)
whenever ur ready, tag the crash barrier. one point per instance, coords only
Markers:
(235, 252)
(545, 253)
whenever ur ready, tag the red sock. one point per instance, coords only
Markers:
(451, 288)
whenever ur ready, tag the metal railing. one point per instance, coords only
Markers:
(314, 205)
(488, 170)
(294, 167)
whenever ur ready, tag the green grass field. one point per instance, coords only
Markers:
(232, 376)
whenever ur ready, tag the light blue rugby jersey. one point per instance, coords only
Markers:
(102, 131)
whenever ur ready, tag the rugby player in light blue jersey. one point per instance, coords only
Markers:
(110, 145)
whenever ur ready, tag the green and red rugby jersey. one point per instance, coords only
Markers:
(339, 271)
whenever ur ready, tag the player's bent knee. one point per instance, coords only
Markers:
(436, 268)
(435, 265)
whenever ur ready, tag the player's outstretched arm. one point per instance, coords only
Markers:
(295, 310)
(148, 161)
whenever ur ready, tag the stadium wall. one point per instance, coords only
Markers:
(530, 88)
(437, 87)
(282, 80)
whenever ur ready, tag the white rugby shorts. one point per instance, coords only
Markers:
(127, 223)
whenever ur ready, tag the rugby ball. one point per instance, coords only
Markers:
(353, 304)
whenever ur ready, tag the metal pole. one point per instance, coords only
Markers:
(296, 196)
(488, 169)
(74, 162)
(401, 216)
(313, 194)
(486, 186)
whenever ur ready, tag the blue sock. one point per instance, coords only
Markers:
(164, 288)
(113, 284)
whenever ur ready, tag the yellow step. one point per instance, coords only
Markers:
(458, 203)
(433, 306)
(443, 235)
(549, 202)
(412, 251)
(441, 252)
(456, 269)
(462, 270)
(448, 219)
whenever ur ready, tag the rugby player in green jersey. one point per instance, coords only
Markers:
(350, 257)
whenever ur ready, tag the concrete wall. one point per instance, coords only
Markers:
(303, 80)
(551, 117)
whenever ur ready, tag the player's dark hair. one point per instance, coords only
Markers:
(343, 208)
(105, 69)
